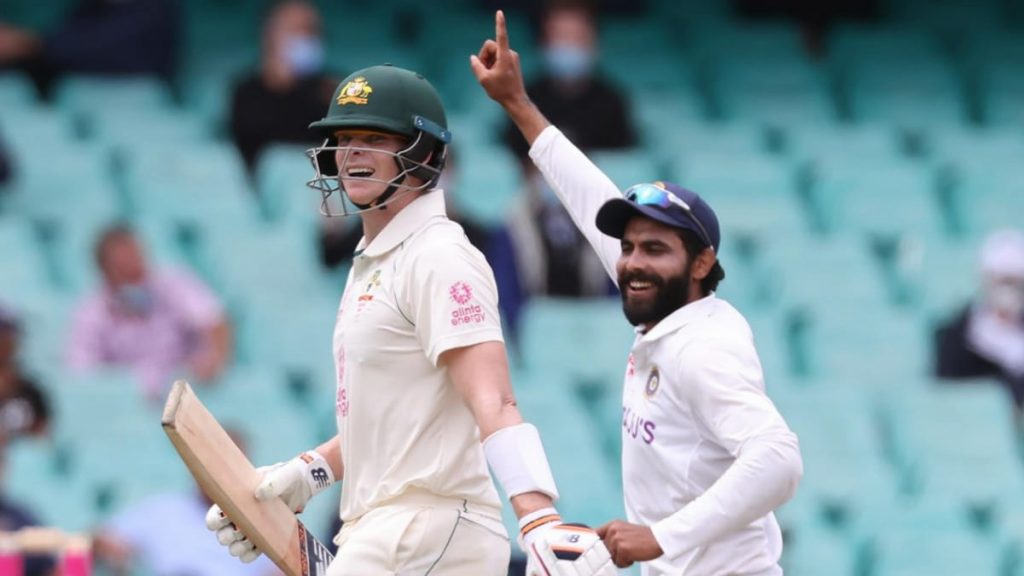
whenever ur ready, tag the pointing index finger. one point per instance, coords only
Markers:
(500, 32)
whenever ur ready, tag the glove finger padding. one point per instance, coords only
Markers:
(215, 518)
(569, 550)
(229, 534)
(243, 549)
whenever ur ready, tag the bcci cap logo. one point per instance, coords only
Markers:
(652, 382)
(355, 92)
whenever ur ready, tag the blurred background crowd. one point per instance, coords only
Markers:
(865, 157)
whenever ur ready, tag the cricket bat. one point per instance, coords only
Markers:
(226, 476)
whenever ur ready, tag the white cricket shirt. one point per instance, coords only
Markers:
(418, 289)
(706, 457)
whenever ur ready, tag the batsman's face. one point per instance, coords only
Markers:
(653, 270)
(366, 162)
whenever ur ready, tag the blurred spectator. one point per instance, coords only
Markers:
(155, 322)
(290, 90)
(987, 337)
(166, 535)
(103, 37)
(340, 236)
(541, 252)
(590, 111)
(24, 409)
(14, 517)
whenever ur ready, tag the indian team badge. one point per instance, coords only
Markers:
(355, 92)
(653, 379)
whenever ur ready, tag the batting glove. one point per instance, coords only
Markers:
(569, 550)
(228, 535)
(295, 481)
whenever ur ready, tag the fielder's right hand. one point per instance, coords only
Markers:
(294, 482)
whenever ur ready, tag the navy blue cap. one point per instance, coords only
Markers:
(652, 200)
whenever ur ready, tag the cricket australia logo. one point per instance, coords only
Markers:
(652, 382)
(356, 91)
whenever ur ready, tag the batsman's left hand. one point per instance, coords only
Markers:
(628, 543)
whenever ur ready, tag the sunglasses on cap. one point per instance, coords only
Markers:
(651, 195)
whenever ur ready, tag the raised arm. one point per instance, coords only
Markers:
(578, 182)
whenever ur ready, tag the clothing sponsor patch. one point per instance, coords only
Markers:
(637, 427)
(466, 312)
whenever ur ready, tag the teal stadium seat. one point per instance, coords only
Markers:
(752, 193)
(920, 550)
(808, 552)
(957, 442)
(16, 91)
(207, 95)
(489, 182)
(34, 477)
(203, 184)
(238, 256)
(588, 340)
(844, 466)
(872, 346)
(664, 119)
(911, 95)
(281, 175)
(627, 167)
(987, 195)
(890, 200)
(783, 93)
(84, 95)
(122, 130)
(83, 188)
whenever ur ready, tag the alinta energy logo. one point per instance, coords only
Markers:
(461, 293)
(465, 313)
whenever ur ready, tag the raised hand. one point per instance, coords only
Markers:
(497, 67)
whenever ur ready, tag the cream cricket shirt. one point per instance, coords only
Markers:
(417, 290)
(706, 457)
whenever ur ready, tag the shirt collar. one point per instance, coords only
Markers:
(681, 317)
(408, 220)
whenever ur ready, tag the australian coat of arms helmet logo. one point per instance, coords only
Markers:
(355, 91)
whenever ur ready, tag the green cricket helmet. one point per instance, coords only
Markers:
(388, 99)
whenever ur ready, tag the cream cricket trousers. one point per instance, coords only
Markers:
(421, 535)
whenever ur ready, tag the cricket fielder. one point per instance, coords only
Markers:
(706, 457)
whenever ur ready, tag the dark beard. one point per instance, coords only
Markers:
(671, 294)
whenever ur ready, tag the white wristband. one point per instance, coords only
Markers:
(319, 475)
(517, 458)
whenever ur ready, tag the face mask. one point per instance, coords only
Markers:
(305, 54)
(568, 62)
(1007, 298)
(134, 298)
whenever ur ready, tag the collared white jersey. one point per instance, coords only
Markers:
(706, 457)
(417, 290)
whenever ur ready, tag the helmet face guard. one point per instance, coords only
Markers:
(423, 158)
(385, 99)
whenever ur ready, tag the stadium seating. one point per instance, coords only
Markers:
(854, 191)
